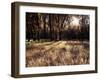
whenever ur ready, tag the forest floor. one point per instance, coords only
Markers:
(57, 53)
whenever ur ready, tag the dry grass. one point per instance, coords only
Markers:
(57, 53)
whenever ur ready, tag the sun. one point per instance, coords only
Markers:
(74, 21)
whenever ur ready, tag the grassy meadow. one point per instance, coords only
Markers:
(57, 53)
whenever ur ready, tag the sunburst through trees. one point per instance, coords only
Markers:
(56, 39)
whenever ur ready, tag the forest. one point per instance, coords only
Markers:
(57, 39)
(56, 26)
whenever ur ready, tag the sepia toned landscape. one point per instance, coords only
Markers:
(56, 39)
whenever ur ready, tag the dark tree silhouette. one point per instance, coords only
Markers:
(57, 26)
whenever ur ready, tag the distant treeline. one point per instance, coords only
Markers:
(57, 26)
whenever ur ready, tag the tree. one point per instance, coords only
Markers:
(57, 26)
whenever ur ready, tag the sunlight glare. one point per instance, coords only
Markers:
(75, 21)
